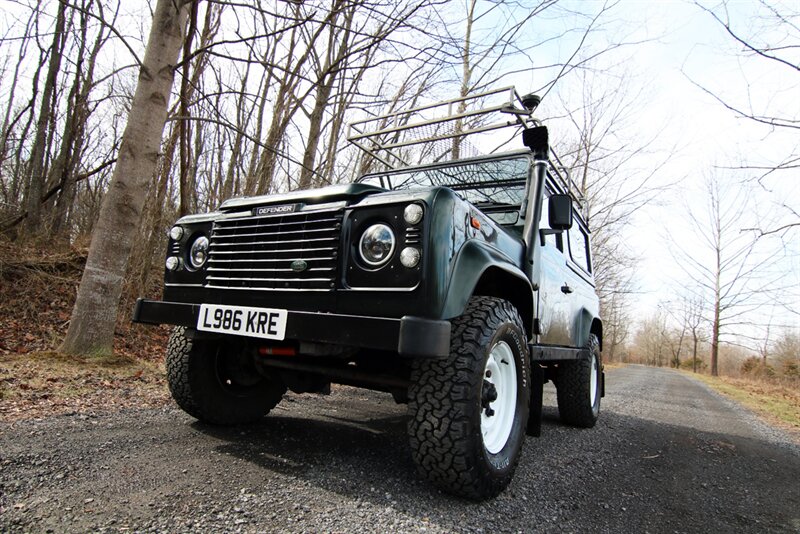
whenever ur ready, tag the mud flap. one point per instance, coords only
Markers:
(537, 392)
(602, 384)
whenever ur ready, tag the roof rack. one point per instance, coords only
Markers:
(439, 132)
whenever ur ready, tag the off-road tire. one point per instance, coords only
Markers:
(195, 374)
(445, 409)
(573, 388)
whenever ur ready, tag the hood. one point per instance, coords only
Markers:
(333, 193)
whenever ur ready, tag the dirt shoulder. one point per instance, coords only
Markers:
(778, 404)
(43, 384)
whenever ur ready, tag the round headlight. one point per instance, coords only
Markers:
(176, 233)
(198, 254)
(173, 263)
(413, 213)
(376, 244)
(409, 257)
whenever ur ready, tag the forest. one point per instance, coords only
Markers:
(119, 117)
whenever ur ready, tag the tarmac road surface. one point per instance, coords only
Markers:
(668, 455)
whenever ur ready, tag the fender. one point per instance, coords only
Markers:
(481, 269)
(587, 323)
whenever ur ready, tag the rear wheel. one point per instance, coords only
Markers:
(216, 382)
(578, 387)
(467, 412)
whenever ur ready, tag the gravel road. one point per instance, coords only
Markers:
(668, 455)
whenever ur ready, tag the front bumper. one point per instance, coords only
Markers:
(408, 336)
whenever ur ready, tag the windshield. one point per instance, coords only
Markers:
(496, 187)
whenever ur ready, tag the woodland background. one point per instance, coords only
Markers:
(262, 95)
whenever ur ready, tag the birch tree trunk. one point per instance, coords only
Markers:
(91, 329)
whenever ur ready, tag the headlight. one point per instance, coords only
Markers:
(198, 254)
(376, 244)
(412, 214)
(176, 233)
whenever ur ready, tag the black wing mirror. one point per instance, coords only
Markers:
(560, 212)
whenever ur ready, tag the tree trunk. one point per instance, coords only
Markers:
(324, 90)
(91, 329)
(715, 341)
(36, 175)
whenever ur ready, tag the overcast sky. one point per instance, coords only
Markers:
(685, 48)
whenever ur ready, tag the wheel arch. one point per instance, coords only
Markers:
(597, 330)
(481, 270)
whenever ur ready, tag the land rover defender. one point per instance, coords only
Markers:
(460, 285)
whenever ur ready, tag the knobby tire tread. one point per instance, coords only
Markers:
(441, 401)
(573, 388)
(202, 397)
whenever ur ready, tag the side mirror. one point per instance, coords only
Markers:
(560, 212)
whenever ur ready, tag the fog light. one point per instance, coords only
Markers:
(173, 263)
(176, 233)
(409, 257)
(413, 213)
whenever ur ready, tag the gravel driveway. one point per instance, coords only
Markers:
(668, 455)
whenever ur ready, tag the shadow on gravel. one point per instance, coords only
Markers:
(626, 473)
(358, 458)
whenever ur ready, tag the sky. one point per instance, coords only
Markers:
(685, 48)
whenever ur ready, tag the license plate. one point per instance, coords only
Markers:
(242, 321)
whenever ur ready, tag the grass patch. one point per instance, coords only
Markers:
(779, 403)
(39, 384)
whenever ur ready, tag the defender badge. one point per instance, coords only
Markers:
(275, 210)
(299, 266)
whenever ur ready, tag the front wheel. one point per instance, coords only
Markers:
(578, 387)
(216, 382)
(467, 412)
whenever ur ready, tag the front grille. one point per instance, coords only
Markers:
(289, 251)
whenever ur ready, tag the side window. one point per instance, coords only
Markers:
(579, 246)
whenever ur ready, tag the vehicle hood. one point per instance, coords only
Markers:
(324, 195)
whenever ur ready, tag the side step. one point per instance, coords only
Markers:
(550, 353)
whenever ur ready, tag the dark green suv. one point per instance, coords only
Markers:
(459, 287)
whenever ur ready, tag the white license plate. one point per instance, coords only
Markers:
(242, 321)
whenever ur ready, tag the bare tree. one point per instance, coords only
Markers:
(692, 311)
(769, 36)
(37, 166)
(651, 341)
(724, 262)
(91, 328)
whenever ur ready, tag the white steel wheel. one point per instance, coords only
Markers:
(499, 397)
(593, 382)
(467, 412)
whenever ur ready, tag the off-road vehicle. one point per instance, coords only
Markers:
(460, 286)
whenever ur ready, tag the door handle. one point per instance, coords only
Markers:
(566, 289)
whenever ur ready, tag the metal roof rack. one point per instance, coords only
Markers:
(439, 132)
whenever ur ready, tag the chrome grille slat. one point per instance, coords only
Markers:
(288, 232)
(287, 250)
(262, 252)
(266, 260)
(216, 242)
(247, 226)
(250, 270)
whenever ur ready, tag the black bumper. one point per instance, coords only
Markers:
(408, 336)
